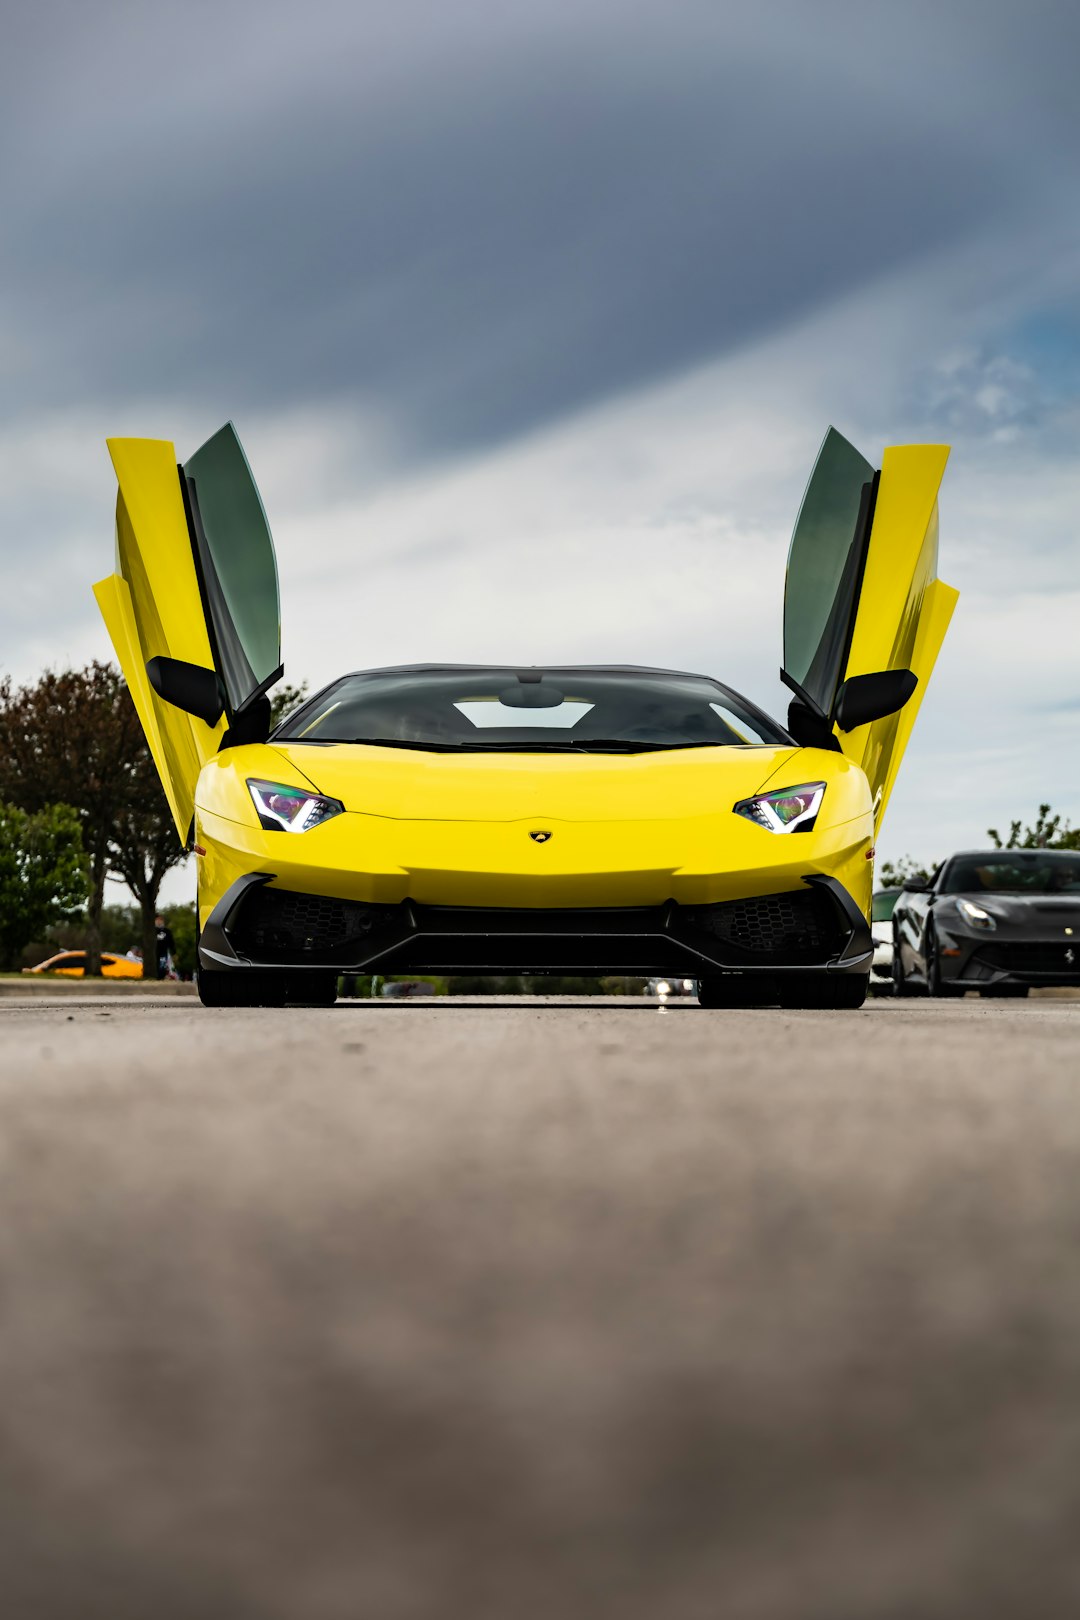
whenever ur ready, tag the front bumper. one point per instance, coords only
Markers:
(813, 929)
(1005, 957)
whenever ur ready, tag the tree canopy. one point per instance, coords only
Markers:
(1048, 831)
(73, 737)
(43, 875)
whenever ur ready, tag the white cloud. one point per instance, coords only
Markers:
(651, 530)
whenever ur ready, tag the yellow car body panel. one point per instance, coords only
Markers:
(904, 610)
(152, 607)
(628, 830)
(938, 602)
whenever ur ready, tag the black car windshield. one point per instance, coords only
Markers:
(1013, 872)
(531, 710)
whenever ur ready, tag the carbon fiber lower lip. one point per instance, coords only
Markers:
(639, 940)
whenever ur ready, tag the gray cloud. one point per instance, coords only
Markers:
(475, 219)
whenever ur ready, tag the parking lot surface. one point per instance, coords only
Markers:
(539, 1311)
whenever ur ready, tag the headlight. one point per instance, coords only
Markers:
(290, 809)
(975, 915)
(788, 810)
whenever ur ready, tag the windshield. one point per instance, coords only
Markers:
(531, 710)
(1013, 872)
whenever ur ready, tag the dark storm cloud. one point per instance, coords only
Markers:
(478, 223)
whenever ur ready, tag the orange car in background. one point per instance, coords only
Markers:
(72, 964)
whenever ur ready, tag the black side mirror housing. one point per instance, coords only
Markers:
(190, 687)
(917, 886)
(810, 730)
(863, 698)
(251, 725)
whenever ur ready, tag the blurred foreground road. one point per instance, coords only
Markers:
(542, 1311)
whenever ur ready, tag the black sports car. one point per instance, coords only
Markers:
(999, 921)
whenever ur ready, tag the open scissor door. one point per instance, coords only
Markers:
(195, 581)
(862, 593)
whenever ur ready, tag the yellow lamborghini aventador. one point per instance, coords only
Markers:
(594, 819)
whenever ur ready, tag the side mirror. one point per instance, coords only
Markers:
(863, 698)
(917, 886)
(810, 730)
(187, 686)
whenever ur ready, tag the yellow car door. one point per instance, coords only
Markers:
(195, 582)
(862, 593)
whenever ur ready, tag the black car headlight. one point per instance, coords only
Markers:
(975, 915)
(787, 810)
(290, 809)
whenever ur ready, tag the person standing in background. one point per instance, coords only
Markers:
(166, 947)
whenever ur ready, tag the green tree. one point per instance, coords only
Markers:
(143, 846)
(894, 874)
(69, 738)
(284, 699)
(120, 930)
(181, 922)
(43, 875)
(73, 737)
(1050, 831)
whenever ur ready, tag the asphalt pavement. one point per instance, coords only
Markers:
(539, 1311)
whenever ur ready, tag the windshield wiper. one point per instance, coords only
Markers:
(581, 745)
(595, 745)
(400, 742)
(629, 745)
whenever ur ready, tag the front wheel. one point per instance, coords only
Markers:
(831, 991)
(735, 990)
(901, 984)
(935, 984)
(311, 989)
(240, 988)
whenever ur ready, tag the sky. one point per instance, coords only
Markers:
(532, 319)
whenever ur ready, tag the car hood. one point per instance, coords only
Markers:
(407, 784)
(1028, 910)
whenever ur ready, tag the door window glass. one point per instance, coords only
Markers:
(824, 570)
(237, 563)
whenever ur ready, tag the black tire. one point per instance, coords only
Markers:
(832, 991)
(936, 986)
(311, 989)
(901, 984)
(241, 988)
(735, 990)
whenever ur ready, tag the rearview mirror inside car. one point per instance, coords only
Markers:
(863, 698)
(187, 686)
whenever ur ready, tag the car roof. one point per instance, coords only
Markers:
(553, 669)
(1007, 854)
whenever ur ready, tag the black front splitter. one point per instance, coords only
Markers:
(658, 940)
